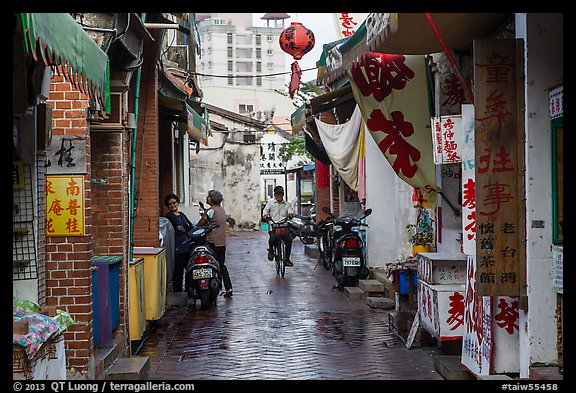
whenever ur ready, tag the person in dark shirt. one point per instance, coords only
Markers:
(181, 225)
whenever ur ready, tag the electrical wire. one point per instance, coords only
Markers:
(248, 76)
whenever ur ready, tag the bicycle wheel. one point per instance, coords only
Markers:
(277, 258)
(325, 253)
(307, 234)
(283, 257)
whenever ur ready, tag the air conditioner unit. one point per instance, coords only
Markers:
(117, 116)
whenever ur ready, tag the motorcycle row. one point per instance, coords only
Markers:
(340, 244)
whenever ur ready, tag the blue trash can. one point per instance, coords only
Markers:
(101, 301)
(108, 293)
(403, 286)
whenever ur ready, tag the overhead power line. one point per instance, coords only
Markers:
(247, 76)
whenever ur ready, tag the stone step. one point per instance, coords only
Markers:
(451, 369)
(105, 357)
(133, 368)
(371, 285)
(354, 293)
(380, 302)
(312, 250)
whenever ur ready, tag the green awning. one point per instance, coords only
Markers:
(58, 40)
(196, 126)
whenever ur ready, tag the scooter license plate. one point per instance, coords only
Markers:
(202, 273)
(350, 261)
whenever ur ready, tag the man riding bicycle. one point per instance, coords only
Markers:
(278, 209)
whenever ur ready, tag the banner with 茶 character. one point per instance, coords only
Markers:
(391, 91)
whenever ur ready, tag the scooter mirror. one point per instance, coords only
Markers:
(326, 210)
(367, 212)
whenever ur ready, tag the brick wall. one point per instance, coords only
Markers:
(146, 225)
(165, 167)
(110, 205)
(68, 274)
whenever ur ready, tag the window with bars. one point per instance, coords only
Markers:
(24, 265)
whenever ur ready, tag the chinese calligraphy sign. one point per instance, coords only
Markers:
(386, 88)
(65, 205)
(497, 198)
(447, 141)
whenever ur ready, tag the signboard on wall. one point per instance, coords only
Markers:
(448, 139)
(468, 182)
(65, 201)
(496, 171)
(67, 154)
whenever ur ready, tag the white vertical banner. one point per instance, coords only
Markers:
(448, 139)
(505, 320)
(347, 23)
(468, 181)
(477, 342)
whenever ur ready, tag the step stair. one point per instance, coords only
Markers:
(312, 250)
(133, 368)
(106, 357)
(451, 368)
(354, 293)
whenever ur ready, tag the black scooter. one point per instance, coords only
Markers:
(348, 263)
(203, 277)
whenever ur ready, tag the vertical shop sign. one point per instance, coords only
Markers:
(496, 171)
(468, 182)
(448, 139)
(477, 341)
(65, 203)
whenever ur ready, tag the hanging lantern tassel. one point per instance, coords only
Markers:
(295, 80)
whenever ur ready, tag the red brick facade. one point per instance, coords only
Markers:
(68, 273)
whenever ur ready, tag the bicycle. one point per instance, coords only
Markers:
(281, 230)
(323, 232)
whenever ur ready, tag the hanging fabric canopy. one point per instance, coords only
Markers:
(342, 144)
(58, 40)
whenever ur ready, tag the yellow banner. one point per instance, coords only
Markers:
(392, 93)
(65, 205)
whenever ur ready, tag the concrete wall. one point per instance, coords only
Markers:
(232, 168)
(390, 198)
(542, 34)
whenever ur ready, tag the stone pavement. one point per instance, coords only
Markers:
(275, 328)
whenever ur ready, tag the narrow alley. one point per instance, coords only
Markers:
(274, 328)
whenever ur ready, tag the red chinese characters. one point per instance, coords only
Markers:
(394, 143)
(378, 74)
(347, 23)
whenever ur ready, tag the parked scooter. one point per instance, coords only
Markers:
(349, 264)
(203, 277)
(324, 231)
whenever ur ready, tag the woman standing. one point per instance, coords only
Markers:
(217, 239)
(181, 225)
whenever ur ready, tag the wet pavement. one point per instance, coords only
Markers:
(274, 328)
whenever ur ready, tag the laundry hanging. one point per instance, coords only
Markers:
(342, 144)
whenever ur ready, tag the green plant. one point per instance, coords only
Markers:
(419, 236)
(422, 232)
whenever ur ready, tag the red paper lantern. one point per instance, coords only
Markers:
(297, 40)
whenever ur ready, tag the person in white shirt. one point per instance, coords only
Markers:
(278, 209)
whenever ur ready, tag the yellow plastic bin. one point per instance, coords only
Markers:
(136, 285)
(154, 280)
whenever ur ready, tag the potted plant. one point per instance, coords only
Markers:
(421, 234)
